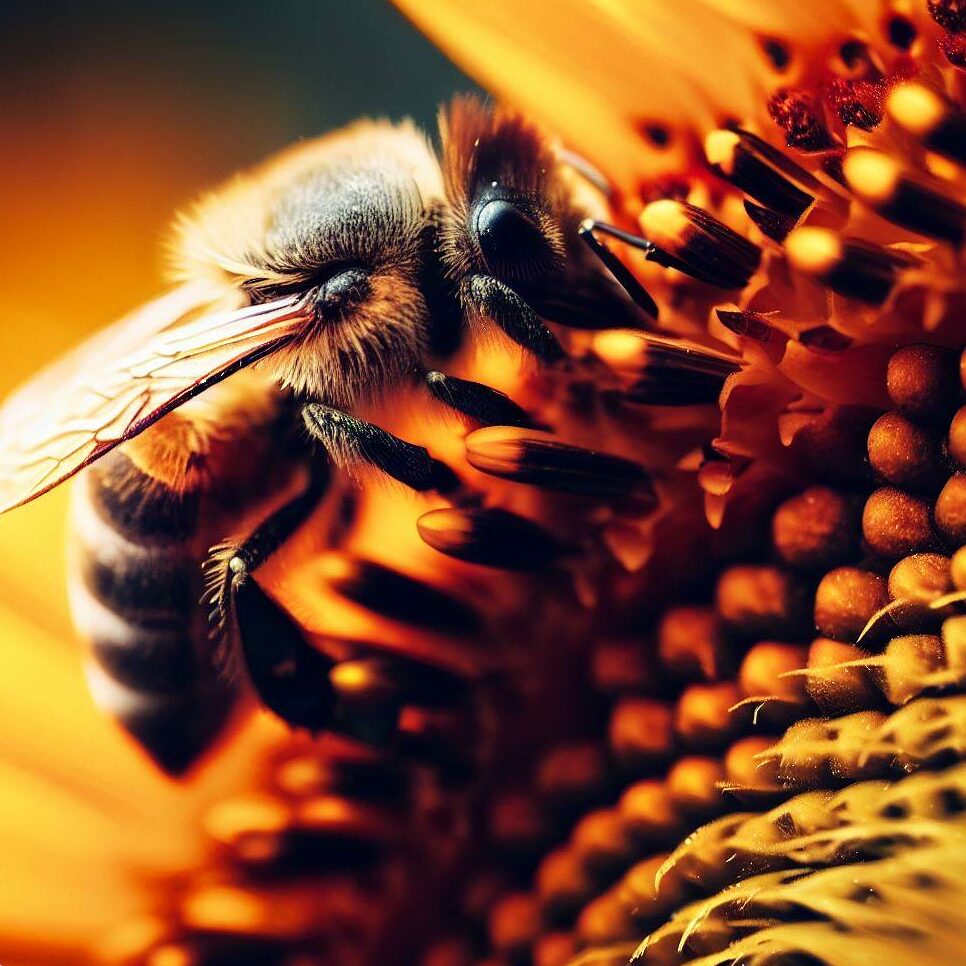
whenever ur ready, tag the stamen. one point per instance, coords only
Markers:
(690, 240)
(491, 538)
(756, 168)
(925, 114)
(397, 596)
(665, 372)
(750, 325)
(535, 458)
(880, 181)
(853, 268)
(770, 223)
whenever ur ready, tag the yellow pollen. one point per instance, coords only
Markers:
(815, 251)
(351, 677)
(224, 908)
(719, 148)
(916, 108)
(325, 810)
(618, 348)
(235, 817)
(171, 956)
(872, 175)
(665, 223)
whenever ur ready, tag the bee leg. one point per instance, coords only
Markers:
(495, 300)
(230, 563)
(351, 441)
(483, 405)
(289, 675)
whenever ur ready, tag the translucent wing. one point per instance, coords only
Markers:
(126, 378)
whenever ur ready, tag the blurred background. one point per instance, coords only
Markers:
(115, 113)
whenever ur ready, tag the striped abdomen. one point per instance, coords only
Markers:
(135, 585)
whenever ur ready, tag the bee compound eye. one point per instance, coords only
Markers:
(506, 234)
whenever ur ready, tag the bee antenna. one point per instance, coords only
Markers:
(588, 232)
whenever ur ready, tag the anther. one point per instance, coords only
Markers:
(761, 172)
(928, 116)
(881, 182)
(854, 268)
(538, 459)
(665, 372)
(690, 240)
(490, 538)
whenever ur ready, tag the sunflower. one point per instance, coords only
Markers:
(692, 684)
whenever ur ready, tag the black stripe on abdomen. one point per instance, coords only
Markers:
(135, 584)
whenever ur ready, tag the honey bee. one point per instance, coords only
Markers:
(337, 272)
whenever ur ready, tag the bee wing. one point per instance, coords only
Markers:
(126, 378)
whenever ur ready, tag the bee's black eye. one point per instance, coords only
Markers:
(510, 241)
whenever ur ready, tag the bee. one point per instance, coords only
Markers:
(334, 274)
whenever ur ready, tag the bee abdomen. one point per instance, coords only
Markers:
(135, 583)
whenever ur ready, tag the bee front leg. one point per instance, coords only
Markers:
(231, 562)
(493, 299)
(290, 677)
(350, 442)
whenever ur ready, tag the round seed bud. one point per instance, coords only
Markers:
(649, 902)
(564, 885)
(573, 776)
(517, 824)
(907, 664)
(761, 601)
(744, 769)
(603, 843)
(447, 952)
(917, 581)
(951, 510)
(765, 663)
(839, 690)
(922, 381)
(845, 601)
(954, 643)
(904, 453)
(816, 529)
(554, 949)
(896, 523)
(515, 924)
(641, 733)
(690, 645)
(957, 568)
(479, 894)
(833, 447)
(650, 813)
(694, 783)
(957, 436)
(606, 920)
(702, 718)
(622, 667)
